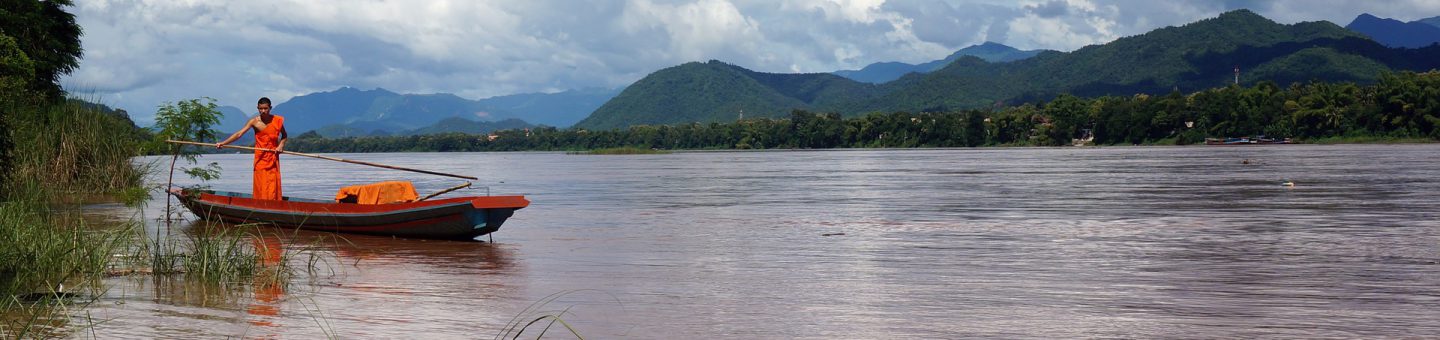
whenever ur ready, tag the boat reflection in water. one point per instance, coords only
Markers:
(268, 289)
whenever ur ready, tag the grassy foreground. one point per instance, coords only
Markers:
(52, 263)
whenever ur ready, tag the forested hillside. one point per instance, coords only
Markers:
(1188, 58)
(716, 91)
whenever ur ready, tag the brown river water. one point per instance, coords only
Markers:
(1113, 242)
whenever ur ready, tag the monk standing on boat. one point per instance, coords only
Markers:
(269, 134)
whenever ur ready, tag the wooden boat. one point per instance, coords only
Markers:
(460, 218)
(1246, 141)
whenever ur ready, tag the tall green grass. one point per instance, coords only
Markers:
(75, 149)
(71, 152)
(40, 254)
(48, 263)
(61, 150)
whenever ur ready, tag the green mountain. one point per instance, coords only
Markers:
(1195, 56)
(1188, 58)
(716, 91)
(887, 71)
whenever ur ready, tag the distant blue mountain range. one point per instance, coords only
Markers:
(884, 72)
(1396, 33)
(351, 111)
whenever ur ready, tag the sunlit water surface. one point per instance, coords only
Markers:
(1014, 242)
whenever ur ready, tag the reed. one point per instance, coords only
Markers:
(73, 148)
(215, 254)
(50, 264)
(536, 314)
(220, 255)
(40, 254)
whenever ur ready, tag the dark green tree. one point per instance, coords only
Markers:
(48, 35)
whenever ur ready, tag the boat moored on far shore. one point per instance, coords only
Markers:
(1247, 141)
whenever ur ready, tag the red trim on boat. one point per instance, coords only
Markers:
(370, 228)
(479, 202)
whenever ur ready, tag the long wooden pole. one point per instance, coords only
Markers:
(326, 158)
(442, 192)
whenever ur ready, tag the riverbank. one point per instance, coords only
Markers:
(54, 264)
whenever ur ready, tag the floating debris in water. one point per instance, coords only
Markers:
(832, 234)
(1287, 183)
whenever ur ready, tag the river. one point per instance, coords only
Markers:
(1116, 242)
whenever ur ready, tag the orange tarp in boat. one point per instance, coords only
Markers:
(378, 193)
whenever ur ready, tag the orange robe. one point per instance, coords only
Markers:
(267, 164)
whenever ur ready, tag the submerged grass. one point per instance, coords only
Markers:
(49, 266)
(621, 151)
(536, 314)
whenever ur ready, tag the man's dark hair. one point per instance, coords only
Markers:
(264, 100)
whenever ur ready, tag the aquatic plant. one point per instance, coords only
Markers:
(513, 328)
(536, 314)
(49, 264)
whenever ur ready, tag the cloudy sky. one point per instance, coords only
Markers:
(140, 53)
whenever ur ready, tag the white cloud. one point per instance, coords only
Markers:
(140, 53)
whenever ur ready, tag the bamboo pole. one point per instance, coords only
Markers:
(442, 192)
(392, 167)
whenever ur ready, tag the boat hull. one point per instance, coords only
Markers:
(461, 218)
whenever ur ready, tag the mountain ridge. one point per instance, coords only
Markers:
(1190, 57)
(1396, 33)
(883, 72)
(348, 108)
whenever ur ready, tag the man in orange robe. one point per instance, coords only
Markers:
(269, 134)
